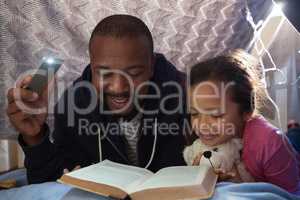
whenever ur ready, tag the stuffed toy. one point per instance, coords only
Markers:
(223, 156)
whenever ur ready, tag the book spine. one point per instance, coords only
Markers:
(116, 198)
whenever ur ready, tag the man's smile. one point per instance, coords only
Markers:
(119, 102)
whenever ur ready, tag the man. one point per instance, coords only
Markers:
(137, 93)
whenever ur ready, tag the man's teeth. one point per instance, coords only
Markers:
(120, 100)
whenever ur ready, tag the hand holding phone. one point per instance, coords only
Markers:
(30, 93)
(44, 74)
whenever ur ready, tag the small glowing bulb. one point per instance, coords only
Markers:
(50, 60)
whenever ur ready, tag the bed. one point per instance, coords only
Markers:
(57, 191)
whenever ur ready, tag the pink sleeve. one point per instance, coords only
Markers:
(281, 164)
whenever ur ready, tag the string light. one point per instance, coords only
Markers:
(277, 9)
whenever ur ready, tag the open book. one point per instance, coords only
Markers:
(120, 181)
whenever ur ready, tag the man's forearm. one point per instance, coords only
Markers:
(35, 140)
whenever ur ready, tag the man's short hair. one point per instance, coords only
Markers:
(123, 26)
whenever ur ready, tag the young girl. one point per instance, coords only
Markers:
(225, 98)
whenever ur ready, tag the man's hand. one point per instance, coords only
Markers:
(75, 168)
(21, 117)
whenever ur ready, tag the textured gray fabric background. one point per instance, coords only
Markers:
(186, 31)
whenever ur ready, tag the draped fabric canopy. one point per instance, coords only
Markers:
(186, 31)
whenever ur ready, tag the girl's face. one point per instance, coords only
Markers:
(215, 117)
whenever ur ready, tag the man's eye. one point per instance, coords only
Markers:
(104, 74)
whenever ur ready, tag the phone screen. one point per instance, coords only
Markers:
(44, 74)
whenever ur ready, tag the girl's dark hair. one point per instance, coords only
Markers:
(239, 68)
(242, 70)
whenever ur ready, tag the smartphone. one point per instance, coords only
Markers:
(44, 74)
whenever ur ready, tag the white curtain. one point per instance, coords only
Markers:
(11, 155)
(284, 82)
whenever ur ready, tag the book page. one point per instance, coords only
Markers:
(111, 173)
(176, 177)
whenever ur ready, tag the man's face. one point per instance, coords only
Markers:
(119, 66)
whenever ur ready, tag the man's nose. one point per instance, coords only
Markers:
(119, 83)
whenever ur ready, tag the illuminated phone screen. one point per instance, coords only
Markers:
(44, 74)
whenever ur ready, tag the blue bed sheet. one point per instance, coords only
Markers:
(224, 191)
